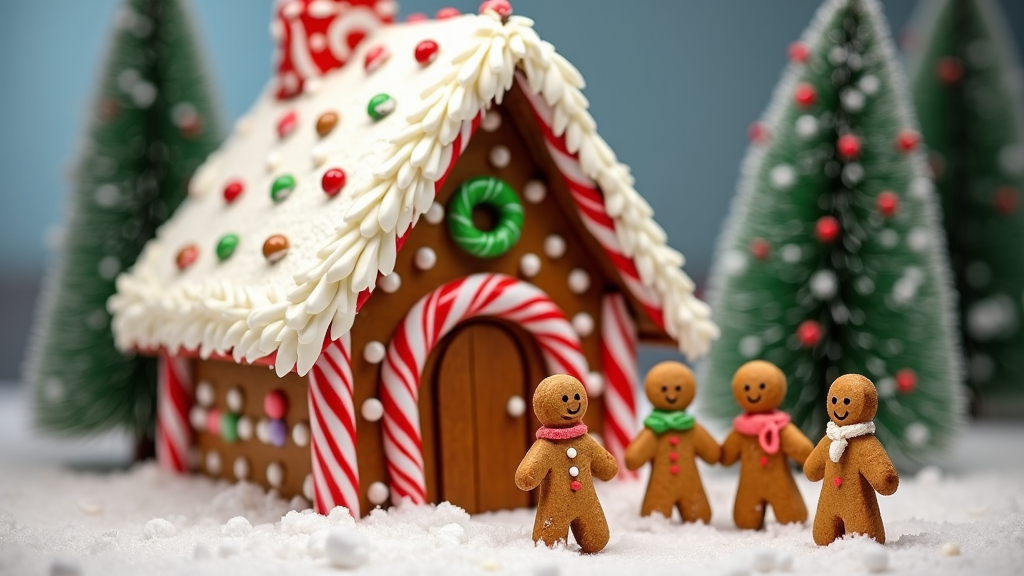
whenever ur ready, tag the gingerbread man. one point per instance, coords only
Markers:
(563, 463)
(762, 438)
(853, 464)
(672, 439)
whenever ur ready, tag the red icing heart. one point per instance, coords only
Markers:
(575, 485)
(764, 461)
(837, 481)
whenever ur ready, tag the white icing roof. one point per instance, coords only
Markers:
(251, 308)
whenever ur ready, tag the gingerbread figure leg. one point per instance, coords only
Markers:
(789, 507)
(591, 530)
(827, 528)
(748, 512)
(655, 501)
(694, 506)
(550, 529)
(868, 525)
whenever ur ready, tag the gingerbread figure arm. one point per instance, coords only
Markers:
(705, 444)
(531, 470)
(641, 449)
(795, 444)
(602, 464)
(731, 449)
(877, 468)
(814, 465)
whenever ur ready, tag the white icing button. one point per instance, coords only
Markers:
(491, 121)
(372, 410)
(535, 191)
(273, 161)
(307, 487)
(529, 265)
(374, 352)
(245, 428)
(275, 474)
(263, 431)
(241, 468)
(197, 417)
(571, 452)
(390, 283)
(554, 246)
(204, 393)
(213, 462)
(579, 281)
(425, 258)
(583, 323)
(300, 434)
(377, 493)
(434, 214)
(595, 384)
(319, 155)
(515, 406)
(574, 471)
(236, 400)
(500, 156)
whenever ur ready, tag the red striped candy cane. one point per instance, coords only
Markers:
(427, 322)
(174, 400)
(332, 420)
(618, 365)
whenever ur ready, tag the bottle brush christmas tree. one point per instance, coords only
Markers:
(832, 260)
(967, 90)
(153, 122)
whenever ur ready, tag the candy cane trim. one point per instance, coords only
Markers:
(174, 400)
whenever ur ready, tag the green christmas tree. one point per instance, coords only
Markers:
(967, 89)
(153, 122)
(832, 260)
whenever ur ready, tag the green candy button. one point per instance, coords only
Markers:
(229, 427)
(226, 246)
(380, 106)
(282, 188)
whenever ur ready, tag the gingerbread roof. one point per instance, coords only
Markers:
(180, 294)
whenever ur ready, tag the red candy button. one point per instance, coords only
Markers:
(286, 124)
(575, 485)
(673, 469)
(333, 181)
(275, 404)
(673, 440)
(426, 52)
(213, 421)
(837, 481)
(233, 190)
(187, 256)
(764, 461)
(673, 456)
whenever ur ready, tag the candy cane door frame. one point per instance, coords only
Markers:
(472, 441)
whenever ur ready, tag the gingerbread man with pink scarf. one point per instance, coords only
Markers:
(762, 438)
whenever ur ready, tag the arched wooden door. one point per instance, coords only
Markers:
(477, 444)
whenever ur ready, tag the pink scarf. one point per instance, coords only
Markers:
(562, 433)
(767, 427)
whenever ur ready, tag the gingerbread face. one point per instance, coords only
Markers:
(670, 386)
(759, 386)
(560, 401)
(852, 399)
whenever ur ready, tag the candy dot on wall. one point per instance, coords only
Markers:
(236, 399)
(535, 191)
(213, 421)
(579, 281)
(204, 393)
(245, 428)
(583, 323)
(378, 493)
(197, 418)
(275, 474)
(229, 427)
(213, 462)
(278, 432)
(500, 156)
(491, 120)
(300, 434)
(307, 487)
(390, 283)
(529, 265)
(275, 404)
(374, 352)
(263, 430)
(516, 406)
(434, 214)
(241, 468)
(372, 410)
(554, 246)
(425, 258)
(595, 383)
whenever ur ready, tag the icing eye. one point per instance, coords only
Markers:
(678, 388)
(746, 387)
(577, 397)
(846, 401)
(566, 399)
(762, 386)
(664, 388)
(834, 399)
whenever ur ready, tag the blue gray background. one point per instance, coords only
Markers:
(673, 85)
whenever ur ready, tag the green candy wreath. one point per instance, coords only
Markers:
(497, 194)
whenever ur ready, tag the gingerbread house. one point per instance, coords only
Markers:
(412, 226)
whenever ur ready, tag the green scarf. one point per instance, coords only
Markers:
(662, 420)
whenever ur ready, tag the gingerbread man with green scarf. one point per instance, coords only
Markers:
(672, 441)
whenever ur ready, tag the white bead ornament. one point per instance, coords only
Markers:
(236, 400)
(390, 283)
(425, 258)
(241, 468)
(434, 214)
(806, 126)
(571, 452)
(500, 156)
(554, 246)
(574, 471)
(300, 434)
(374, 352)
(579, 281)
(491, 121)
(782, 177)
(535, 191)
(245, 428)
(275, 474)
(583, 323)
(263, 431)
(378, 493)
(213, 462)
(515, 406)
(372, 410)
(197, 418)
(529, 265)
(204, 394)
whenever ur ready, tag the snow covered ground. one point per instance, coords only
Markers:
(67, 521)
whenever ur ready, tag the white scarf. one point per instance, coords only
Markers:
(840, 436)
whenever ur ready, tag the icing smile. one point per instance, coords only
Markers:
(576, 411)
(671, 400)
(843, 417)
(753, 400)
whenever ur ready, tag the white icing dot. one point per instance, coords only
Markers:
(273, 161)
(782, 177)
(109, 267)
(750, 346)
(425, 258)
(516, 406)
(312, 85)
(377, 493)
(917, 434)
(236, 399)
(204, 393)
(535, 191)
(107, 196)
(579, 281)
(317, 42)
(918, 239)
(852, 100)
(213, 462)
(245, 428)
(241, 468)
(390, 283)
(263, 431)
(197, 418)
(372, 410)
(595, 384)
(1011, 159)
(300, 434)
(307, 487)
(491, 121)
(374, 352)
(869, 84)
(529, 264)
(571, 452)
(318, 154)
(143, 94)
(554, 246)
(275, 474)
(791, 253)
(583, 323)
(434, 214)
(806, 126)
(921, 188)
(824, 284)
(734, 262)
(574, 471)
(500, 156)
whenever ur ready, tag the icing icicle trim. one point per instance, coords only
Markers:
(840, 435)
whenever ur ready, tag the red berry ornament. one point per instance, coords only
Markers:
(887, 203)
(805, 95)
(501, 7)
(376, 58)
(287, 123)
(949, 70)
(798, 52)
(426, 52)
(233, 190)
(848, 146)
(333, 181)
(827, 229)
(906, 381)
(907, 140)
(760, 248)
(449, 12)
(758, 133)
(1006, 200)
(275, 404)
(809, 332)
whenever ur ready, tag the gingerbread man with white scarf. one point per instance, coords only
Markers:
(762, 439)
(853, 464)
